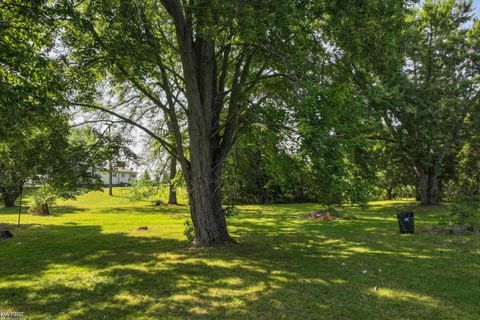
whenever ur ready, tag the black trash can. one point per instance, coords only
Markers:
(406, 222)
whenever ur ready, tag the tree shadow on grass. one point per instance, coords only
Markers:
(54, 210)
(294, 270)
(59, 210)
(174, 210)
(10, 211)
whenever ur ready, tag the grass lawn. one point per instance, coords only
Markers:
(88, 261)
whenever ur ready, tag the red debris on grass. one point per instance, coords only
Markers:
(323, 215)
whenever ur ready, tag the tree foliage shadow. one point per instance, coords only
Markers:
(176, 210)
(288, 270)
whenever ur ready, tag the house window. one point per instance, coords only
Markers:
(115, 174)
(123, 175)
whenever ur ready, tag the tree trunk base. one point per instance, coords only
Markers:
(430, 205)
(389, 196)
(9, 201)
(41, 210)
(172, 201)
(427, 186)
(225, 242)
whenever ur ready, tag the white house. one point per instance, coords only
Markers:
(120, 176)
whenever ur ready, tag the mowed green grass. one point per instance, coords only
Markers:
(88, 261)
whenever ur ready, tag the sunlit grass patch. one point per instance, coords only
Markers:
(89, 261)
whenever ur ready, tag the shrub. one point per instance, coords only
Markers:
(231, 211)
(42, 199)
(461, 218)
(189, 231)
(141, 190)
(464, 216)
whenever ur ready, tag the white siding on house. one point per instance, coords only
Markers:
(118, 177)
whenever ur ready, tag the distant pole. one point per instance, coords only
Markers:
(110, 179)
(20, 209)
(110, 192)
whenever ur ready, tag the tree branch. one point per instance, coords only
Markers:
(168, 146)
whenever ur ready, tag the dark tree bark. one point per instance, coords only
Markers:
(172, 193)
(389, 194)
(45, 210)
(417, 193)
(9, 200)
(427, 183)
(206, 211)
(204, 184)
(9, 195)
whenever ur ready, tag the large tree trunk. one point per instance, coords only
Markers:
(417, 193)
(205, 207)
(209, 140)
(9, 195)
(433, 189)
(207, 150)
(172, 193)
(428, 188)
(204, 192)
(389, 193)
(9, 200)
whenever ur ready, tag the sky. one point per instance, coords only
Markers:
(476, 5)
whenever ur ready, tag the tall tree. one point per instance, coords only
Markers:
(47, 153)
(30, 88)
(435, 92)
(422, 79)
(197, 63)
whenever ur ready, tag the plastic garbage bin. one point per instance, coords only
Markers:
(406, 222)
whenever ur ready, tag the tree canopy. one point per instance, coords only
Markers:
(269, 101)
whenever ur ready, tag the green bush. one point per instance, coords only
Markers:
(42, 199)
(189, 231)
(141, 190)
(464, 216)
(231, 211)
